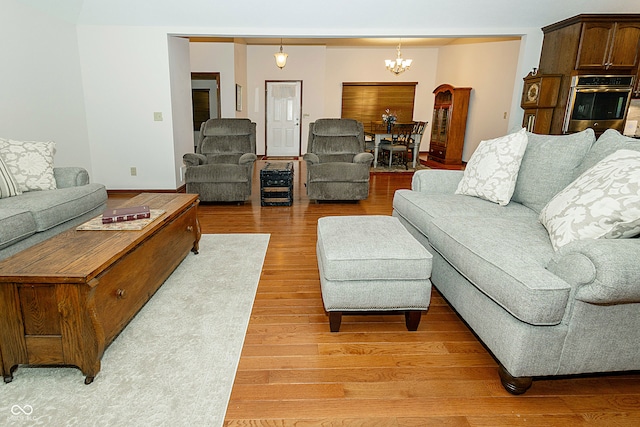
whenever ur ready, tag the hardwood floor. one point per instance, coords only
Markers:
(294, 372)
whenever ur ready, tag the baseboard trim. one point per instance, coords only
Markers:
(181, 189)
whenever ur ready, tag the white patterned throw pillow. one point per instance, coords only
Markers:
(8, 185)
(492, 171)
(30, 163)
(603, 202)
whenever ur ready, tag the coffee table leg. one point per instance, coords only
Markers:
(196, 243)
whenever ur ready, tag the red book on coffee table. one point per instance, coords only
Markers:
(125, 214)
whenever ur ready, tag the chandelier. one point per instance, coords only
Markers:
(398, 65)
(281, 57)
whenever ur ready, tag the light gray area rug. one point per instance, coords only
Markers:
(173, 365)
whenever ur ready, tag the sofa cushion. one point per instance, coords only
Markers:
(492, 171)
(30, 162)
(8, 185)
(15, 225)
(550, 163)
(603, 202)
(504, 258)
(607, 143)
(420, 209)
(54, 207)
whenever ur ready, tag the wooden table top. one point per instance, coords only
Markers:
(79, 256)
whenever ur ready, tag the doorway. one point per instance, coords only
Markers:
(205, 99)
(283, 109)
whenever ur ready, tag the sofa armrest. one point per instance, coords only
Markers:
(365, 158)
(311, 158)
(603, 271)
(247, 158)
(440, 181)
(70, 176)
(193, 159)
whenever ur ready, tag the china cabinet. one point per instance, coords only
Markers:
(449, 123)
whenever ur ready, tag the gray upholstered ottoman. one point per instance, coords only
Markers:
(372, 263)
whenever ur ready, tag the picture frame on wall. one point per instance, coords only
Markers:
(238, 98)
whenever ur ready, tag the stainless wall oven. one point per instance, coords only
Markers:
(598, 102)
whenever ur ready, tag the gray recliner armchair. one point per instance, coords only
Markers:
(221, 168)
(337, 164)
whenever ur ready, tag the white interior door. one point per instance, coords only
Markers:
(283, 118)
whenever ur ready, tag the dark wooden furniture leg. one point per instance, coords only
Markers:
(412, 319)
(514, 385)
(335, 318)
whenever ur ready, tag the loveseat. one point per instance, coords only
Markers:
(543, 303)
(34, 216)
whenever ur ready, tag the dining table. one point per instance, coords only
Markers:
(379, 136)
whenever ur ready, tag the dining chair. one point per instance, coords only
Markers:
(416, 139)
(398, 145)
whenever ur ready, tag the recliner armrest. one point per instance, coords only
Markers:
(363, 158)
(311, 158)
(247, 158)
(193, 159)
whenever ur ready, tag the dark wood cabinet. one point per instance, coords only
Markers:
(449, 124)
(588, 44)
(607, 45)
(539, 97)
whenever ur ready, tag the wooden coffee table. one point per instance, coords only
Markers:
(63, 301)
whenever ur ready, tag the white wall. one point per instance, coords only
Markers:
(489, 69)
(41, 95)
(125, 74)
(181, 104)
(220, 58)
(240, 76)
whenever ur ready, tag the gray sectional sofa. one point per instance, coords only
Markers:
(540, 311)
(34, 216)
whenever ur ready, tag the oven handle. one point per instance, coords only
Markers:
(601, 89)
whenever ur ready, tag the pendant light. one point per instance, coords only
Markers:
(281, 57)
(398, 65)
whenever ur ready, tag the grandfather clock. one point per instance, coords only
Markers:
(539, 97)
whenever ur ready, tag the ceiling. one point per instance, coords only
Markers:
(353, 42)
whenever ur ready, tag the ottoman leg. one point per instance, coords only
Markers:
(412, 319)
(335, 318)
